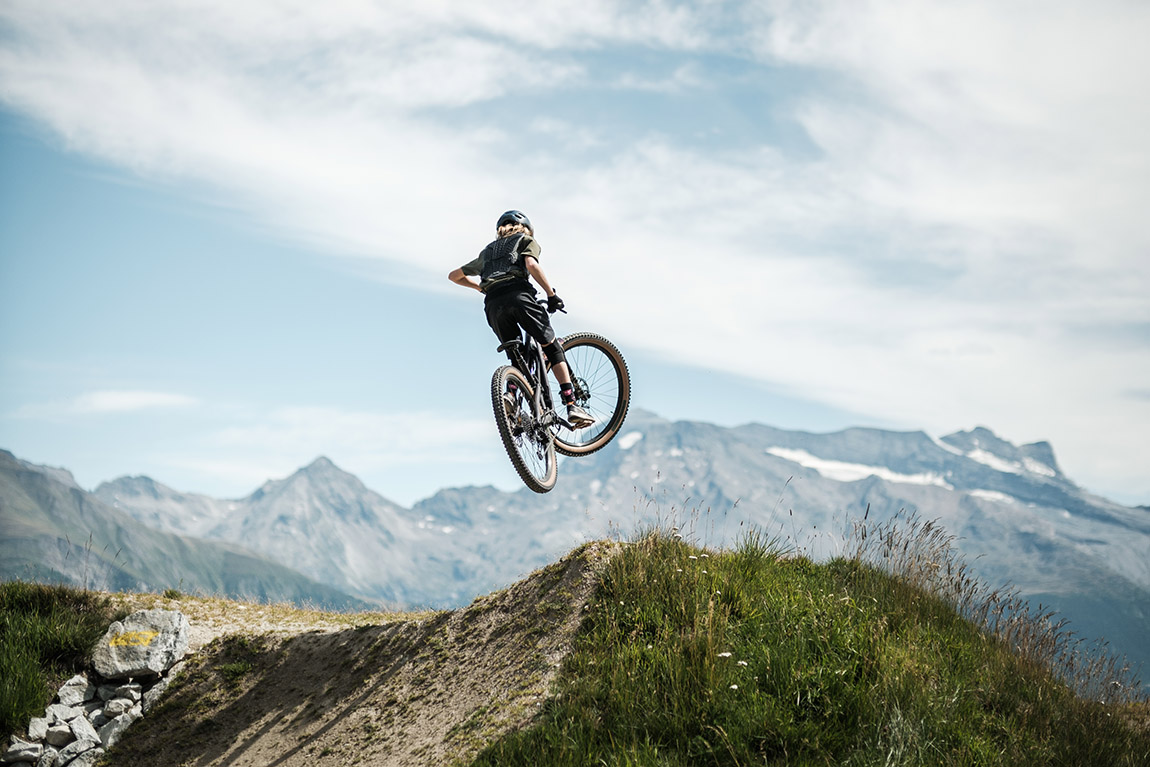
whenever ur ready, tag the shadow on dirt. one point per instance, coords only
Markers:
(411, 692)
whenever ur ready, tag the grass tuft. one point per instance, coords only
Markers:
(46, 635)
(921, 554)
(756, 655)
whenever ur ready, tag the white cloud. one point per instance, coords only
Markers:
(968, 213)
(683, 77)
(107, 402)
(406, 456)
(984, 115)
(360, 438)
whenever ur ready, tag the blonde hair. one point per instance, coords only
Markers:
(509, 229)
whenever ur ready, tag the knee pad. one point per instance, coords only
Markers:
(554, 352)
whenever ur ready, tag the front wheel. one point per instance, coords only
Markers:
(602, 388)
(529, 443)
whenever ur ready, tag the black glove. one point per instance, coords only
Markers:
(554, 303)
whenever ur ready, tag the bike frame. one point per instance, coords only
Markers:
(536, 375)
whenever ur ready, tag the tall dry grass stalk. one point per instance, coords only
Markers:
(921, 554)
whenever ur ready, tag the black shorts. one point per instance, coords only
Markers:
(516, 307)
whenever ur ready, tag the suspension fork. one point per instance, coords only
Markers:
(515, 351)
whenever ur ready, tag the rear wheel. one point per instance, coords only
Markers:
(602, 388)
(529, 444)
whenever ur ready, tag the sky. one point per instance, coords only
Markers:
(225, 228)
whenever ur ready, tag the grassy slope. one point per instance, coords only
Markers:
(684, 657)
(748, 657)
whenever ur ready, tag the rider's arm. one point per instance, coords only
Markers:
(459, 278)
(536, 271)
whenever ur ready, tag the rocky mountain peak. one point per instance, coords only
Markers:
(320, 477)
(1042, 452)
(8, 460)
(980, 438)
(321, 464)
(323, 471)
(984, 446)
(137, 486)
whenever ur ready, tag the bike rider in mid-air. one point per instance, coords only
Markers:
(501, 273)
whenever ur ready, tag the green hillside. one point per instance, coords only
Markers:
(689, 657)
(656, 652)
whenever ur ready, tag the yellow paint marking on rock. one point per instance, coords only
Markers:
(134, 639)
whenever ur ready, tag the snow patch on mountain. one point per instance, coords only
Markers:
(947, 447)
(987, 458)
(998, 463)
(630, 439)
(843, 471)
(993, 495)
(1037, 467)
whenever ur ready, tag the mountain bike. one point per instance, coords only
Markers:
(531, 428)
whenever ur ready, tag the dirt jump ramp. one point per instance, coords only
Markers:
(426, 690)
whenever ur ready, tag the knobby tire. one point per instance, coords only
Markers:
(603, 388)
(530, 447)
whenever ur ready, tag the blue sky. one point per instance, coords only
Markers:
(224, 231)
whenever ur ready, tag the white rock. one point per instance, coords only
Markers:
(72, 751)
(77, 690)
(153, 694)
(146, 643)
(58, 712)
(116, 706)
(132, 692)
(87, 759)
(59, 735)
(38, 728)
(111, 732)
(22, 751)
(82, 729)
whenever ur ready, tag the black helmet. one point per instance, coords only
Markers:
(515, 217)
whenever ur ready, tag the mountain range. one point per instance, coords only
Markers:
(1016, 518)
(52, 531)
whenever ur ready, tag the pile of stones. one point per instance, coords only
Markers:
(133, 664)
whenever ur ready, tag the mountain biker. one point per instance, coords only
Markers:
(501, 273)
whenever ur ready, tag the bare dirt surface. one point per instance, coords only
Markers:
(277, 686)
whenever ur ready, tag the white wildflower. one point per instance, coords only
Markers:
(724, 655)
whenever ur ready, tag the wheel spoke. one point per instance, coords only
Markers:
(602, 375)
(529, 445)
